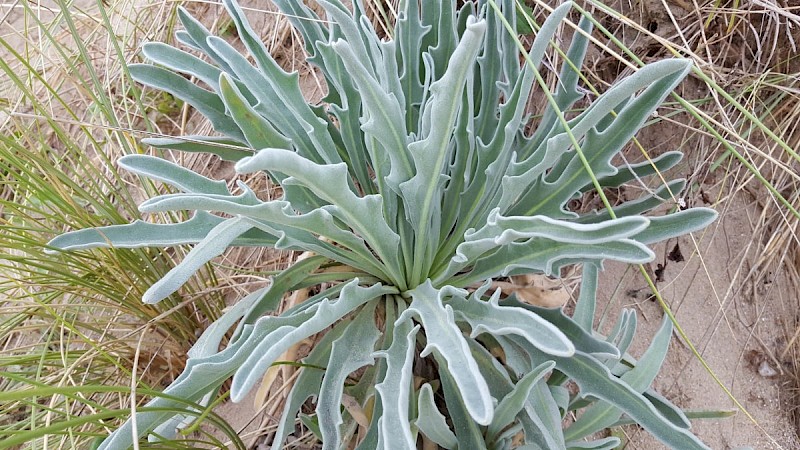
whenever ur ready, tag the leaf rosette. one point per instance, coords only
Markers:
(417, 180)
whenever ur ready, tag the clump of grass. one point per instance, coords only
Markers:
(77, 343)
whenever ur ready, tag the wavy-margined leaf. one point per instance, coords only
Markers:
(269, 102)
(394, 389)
(539, 420)
(344, 104)
(566, 92)
(489, 317)
(196, 36)
(640, 205)
(638, 171)
(216, 241)
(540, 417)
(431, 422)
(421, 193)
(353, 350)
(207, 345)
(279, 217)
(247, 204)
(273, 342)
(308, 382)
(467, 431)
(145, 234)
(172, 174)
(502, 231)
(476, 201)
(409, 35)
(385, 122)
(543, 408)
(494, 156)
(621, 336)
(444, 336)
(533, 158)
(547, 256)
(226, 148)
(587, 301)
(668, 410)
(441, 15)
(203, 375)
(581, 339)
(514, 401)
(308, 23)
(294, 277)
(329, 182)
(553, 190)
(603, 415)
(207, 103)
(208, 342)
(594, 379)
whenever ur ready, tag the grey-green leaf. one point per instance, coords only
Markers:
(602, 415)
(172, 174)
(431, 422)
(207, 103)
(217, 240)
(445, 337)
(676, 224)
(225, 148)
(258, 131)
(490, 317)
(145, 234)
(515, 400)
(350, 352)
(394, 389)
(311, 321)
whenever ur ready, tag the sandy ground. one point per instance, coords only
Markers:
(735, 328)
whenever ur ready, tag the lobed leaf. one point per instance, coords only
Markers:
(676, 224)
(490, 317)
(308, 382)
(269, 343)
(548, 256)
(596, 380)
(602, 415)
(515, 400)
(172, 174)
(286, 88)
(330, 183)
(421, 193)
(257, 130)
(446, 339)
(353, 350)
(394, 389)
(183, 62)
(145, 234)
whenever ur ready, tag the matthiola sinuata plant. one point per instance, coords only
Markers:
(411, 188)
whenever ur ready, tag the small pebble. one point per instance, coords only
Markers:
(765, 370)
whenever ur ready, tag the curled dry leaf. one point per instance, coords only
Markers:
(536, 289)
